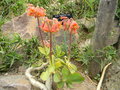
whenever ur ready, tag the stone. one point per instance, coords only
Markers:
(114, 34)
(26, 27)
(23, 25)
(14, 82)
(87, 22)
(21, 69)
(112, 77)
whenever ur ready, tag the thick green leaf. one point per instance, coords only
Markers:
(42, 50)
(72, 68)
(45, 75)
(51, 69)
(75, 77)
(58, 50)
(60, 84)
(56, 77)
(58, 64)
(47, 50)
(65, 71)
(69, 84)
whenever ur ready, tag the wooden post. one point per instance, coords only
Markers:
(104, 25)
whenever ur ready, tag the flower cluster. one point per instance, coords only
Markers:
(50, 25)
(71, 25)
(35, 11)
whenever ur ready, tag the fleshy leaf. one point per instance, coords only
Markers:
(51, 69)
(75, 77)
(60, 84)
(65, 71)
(45, 75)
(72, 68)
(44, 51)
(56, 77)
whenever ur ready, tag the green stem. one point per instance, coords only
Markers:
(65, 39)
(69, 48)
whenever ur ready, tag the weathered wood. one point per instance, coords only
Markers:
(104, 25)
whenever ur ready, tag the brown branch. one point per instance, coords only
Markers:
(40, 33)
(51, 46)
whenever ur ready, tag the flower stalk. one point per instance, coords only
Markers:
(40, 33)
(69, 48)
(51, 46)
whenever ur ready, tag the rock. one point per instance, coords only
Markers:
(114, 34)
(21, 69)
(24, 25)
(87, 22)
(112, 77)
(14, 82)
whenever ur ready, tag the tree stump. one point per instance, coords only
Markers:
(104, 25)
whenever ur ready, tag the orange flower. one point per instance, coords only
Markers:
(35, 11)
(66, 24)
(50, 25)
(71, 25)
(63, 18)
(46, 43)
(74, 27)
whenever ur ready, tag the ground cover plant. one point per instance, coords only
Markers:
(15, 50)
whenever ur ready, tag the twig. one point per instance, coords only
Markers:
(32, 80)
(102, 77)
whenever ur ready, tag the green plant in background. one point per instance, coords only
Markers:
(84, 8)
(118, 10)
(86, 55)
(104, 56)
(30, 51)
(8, 52)
(10, 9)
(16, 50)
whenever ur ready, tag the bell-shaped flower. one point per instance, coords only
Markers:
(74, 27)
(50, 25)
(35, 11)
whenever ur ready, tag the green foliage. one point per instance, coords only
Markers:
(103, 57)
(63, 71)
(97, 77)
(44, 51)
(82, 8)
(42, 3)
(75, 52)
(59, 52)
(118, 10)
(8, 52)
(12, 8)
(15, 50)
(30, 50)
